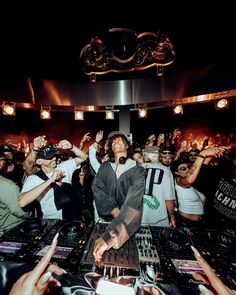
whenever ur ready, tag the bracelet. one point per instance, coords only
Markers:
(97, 142)
(71, 147)
(201, 156)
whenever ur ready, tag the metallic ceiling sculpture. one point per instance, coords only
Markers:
(123, 50)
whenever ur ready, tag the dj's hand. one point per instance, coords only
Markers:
(211, 279)
(36, 281)
(100, 247)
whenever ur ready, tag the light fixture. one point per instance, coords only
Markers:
(142, 111)
(9, 108)
(79, 114)
(159, 71)
(93, 78)
(45, 112)
(177, 107)
(222, 104)
(110, 113)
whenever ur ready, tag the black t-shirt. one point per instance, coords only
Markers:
(220, 207)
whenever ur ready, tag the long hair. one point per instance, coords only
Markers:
(124, 138)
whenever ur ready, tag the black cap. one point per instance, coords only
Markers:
(47, 152)
(7, 148)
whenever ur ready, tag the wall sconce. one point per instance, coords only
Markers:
(9, 108)
(110, 113)
(222, 104)
(79, 114)
(142, 111)
(45, 112)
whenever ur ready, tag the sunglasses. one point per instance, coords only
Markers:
(183, 169)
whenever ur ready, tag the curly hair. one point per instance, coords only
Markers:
(124, 138)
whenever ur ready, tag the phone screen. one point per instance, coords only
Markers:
(187, 266)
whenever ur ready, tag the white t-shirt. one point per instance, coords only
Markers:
(48, 206)
(159, 187)
(190, 200)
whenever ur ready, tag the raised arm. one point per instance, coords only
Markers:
(39, 191)
(80, 155)
(205, 157)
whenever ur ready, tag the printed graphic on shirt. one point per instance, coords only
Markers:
(154, 176)
(225, 199)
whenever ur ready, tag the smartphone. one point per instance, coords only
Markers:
(161, 137)
(184, 143)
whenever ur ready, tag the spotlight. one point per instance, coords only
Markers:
(110, 113)
(142, 112)
(9, 108)
(45, 112)
(178, 109)
(222, 104)
(79, 115)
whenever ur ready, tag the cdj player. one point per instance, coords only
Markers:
(178, 262)
(161, 255)
(29, 241)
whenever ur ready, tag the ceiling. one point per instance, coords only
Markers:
(44, 42)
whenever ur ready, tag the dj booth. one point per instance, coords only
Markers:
(158, 255)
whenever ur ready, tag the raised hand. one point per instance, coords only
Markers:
(36, 282)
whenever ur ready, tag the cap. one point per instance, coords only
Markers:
(115, 133)
(153, 149)
(7, 148)
(47, 152)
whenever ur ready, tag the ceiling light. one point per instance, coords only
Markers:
(178, 109)
(79, 115)
(9, 108)
(142, 111)
(45, 112)
(222, 104)
(110, 115)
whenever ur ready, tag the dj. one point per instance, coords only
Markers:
(118, 189)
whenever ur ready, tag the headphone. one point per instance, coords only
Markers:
(122, 160)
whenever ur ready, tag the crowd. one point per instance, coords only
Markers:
(170, 181)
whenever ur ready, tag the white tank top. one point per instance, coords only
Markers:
(190, 200)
